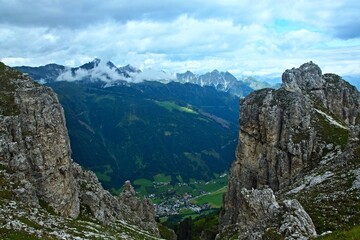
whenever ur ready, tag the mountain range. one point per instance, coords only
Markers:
(221, 81)
(122, 128)
(112, 75)
(296, 173)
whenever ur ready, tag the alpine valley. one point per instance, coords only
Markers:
(296, 173)
(43, 193)
(122, 127)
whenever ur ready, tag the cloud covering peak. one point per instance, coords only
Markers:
(108, 73)
(244, 37)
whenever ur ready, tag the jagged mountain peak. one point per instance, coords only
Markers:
(311, 67)
(187, 74)
(307, 77)
(110, 74)
(328, 91)
(222, 81)
(92, 64)
(129, 68)
(301, 140)
(110, 64)
(216, 74)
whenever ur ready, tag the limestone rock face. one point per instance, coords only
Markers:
(267, 152)
(328, 91)
(285, 133)
(306, 77)
(34, 143)
(34, 146)
(143, 209)
(296, 223)
(258, 211)
(108, 208)
(255, 209)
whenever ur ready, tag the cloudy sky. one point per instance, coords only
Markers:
(262, 37)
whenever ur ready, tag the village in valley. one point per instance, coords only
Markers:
(181, 198)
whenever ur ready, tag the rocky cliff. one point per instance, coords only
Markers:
(36, 166)
(221, 81)
(295, 138)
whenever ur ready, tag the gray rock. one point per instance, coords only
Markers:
(296, 223)
(258, 211)
(38, 146)
(307, 77)
(285, 133)
(356, 183)
(280, 131)
(34, 145)
(108, 208)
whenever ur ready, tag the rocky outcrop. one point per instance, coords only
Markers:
(284, 131)
(326, 91)
(287, 132)
(35, 150)
(259, 212)
(296, 223)
(108, 208)
(34, 143)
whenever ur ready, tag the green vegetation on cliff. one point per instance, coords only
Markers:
(8, 106)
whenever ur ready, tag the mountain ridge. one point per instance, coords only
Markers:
(302, 141)
(110, 74)
(37, 172)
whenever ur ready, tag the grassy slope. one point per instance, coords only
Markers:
(352, 234)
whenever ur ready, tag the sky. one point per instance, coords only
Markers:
(244, 37)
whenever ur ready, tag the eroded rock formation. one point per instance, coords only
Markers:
(285, 133)
(258, 212)
(34, 146)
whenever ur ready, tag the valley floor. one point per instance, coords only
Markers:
(176, 201)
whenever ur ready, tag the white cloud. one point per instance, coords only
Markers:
(152, 74)
(260, 38)
(110, 76)
(100, 72)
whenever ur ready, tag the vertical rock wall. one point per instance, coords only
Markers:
(34, 145)
(285, 132)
